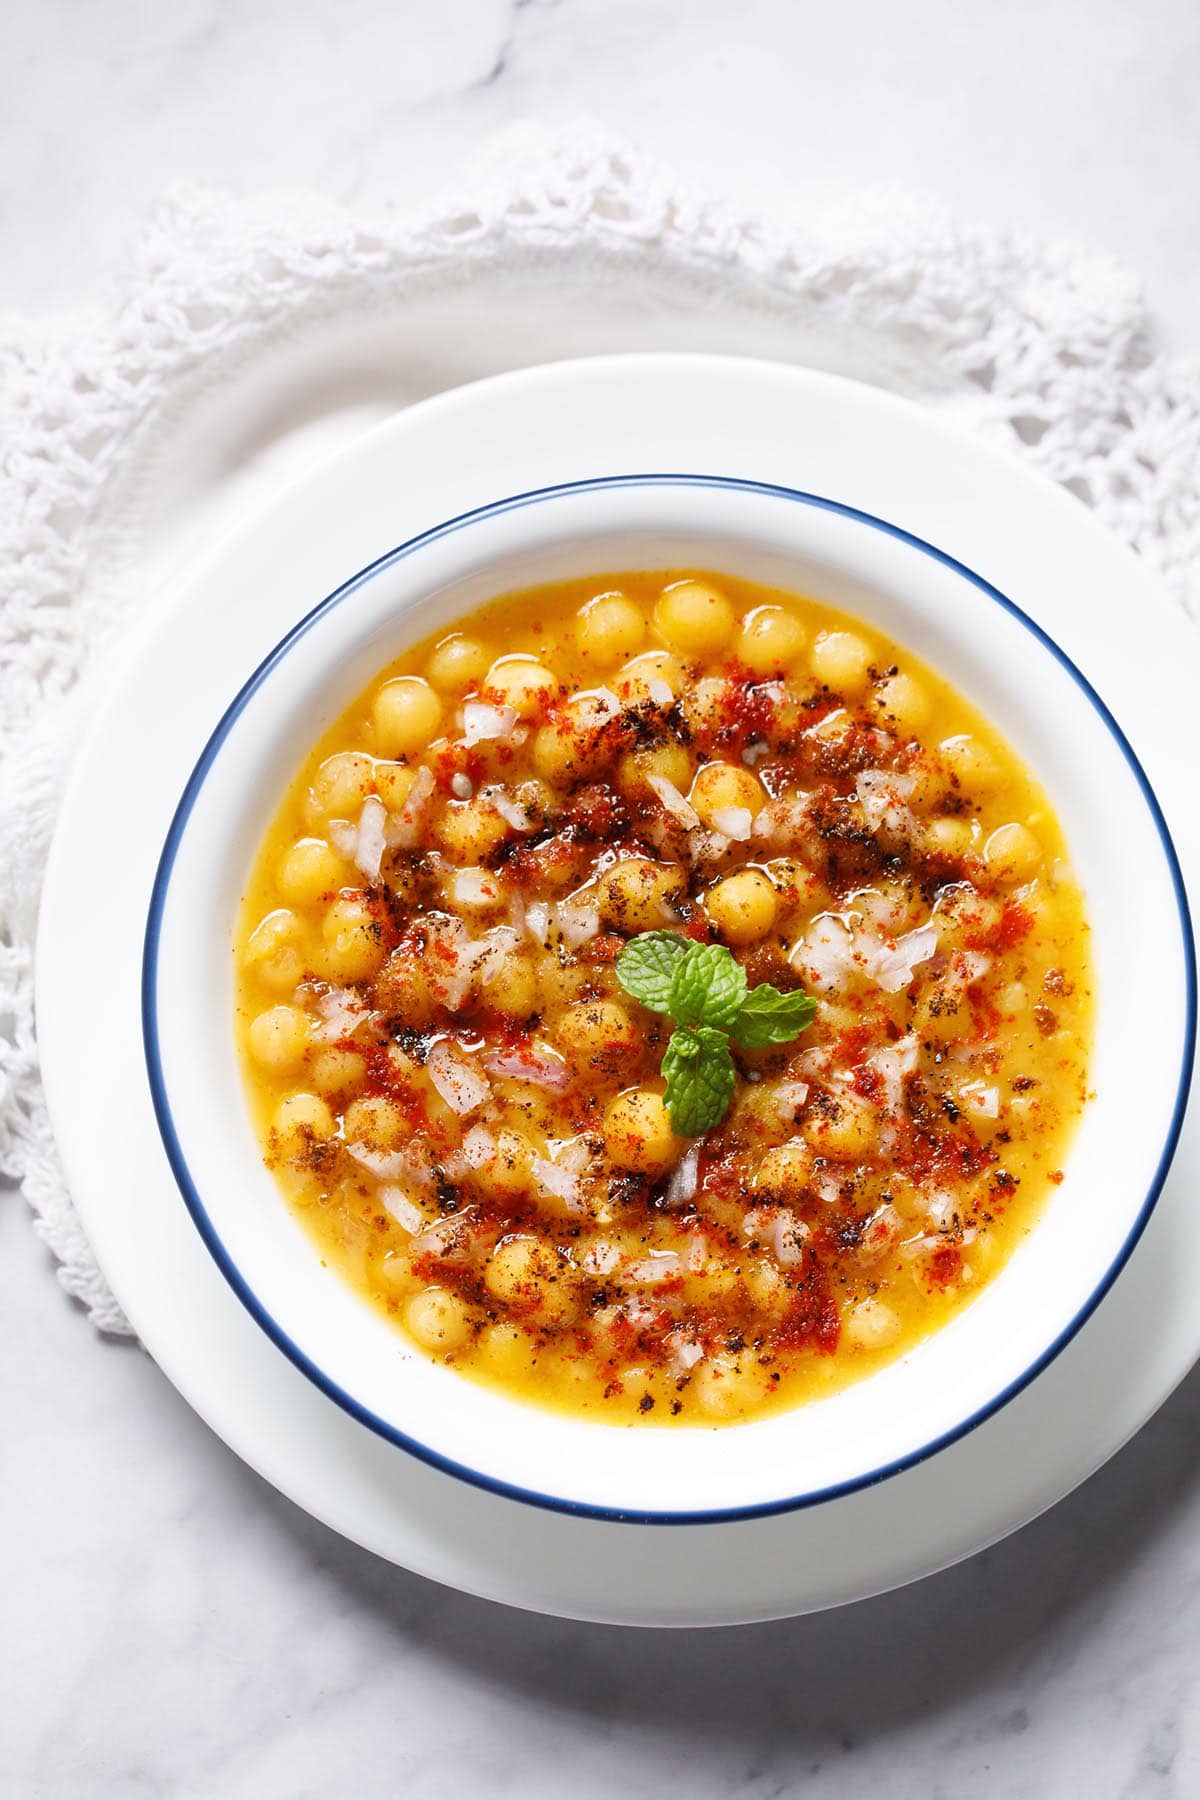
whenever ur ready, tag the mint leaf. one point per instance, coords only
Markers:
(647, 964)
(708, 986)
(699, 1073)
(769, 1017)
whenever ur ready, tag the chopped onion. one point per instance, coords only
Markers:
(461, 786)
(578, 918)
(371, 837)
(475, 889)
(697, 1253)
(754, 752)
(601, 1257)
(703, 847)
(341, 1012)
(596, 705)
(388, 1165)
(448, 1238)
(482, 722)
(344, 838)
(509, 809)
(788, 1235)
(674, 801)
(571, 1153)
(892, 1063)
(406, 1212)
(660, 693)
(790, 1097)
(733, 822)
(552, 1179)
(537, 920)
(894, 969)
(972, 965)
(523, 1065)
(882, 794)
(826, 953)
(478, 1147)
(660, 1265)
(685, 1352)
(984, 1101)
(404, 827)
(685, 1178)
(784, 821)
(939, 1207)
(496, 946)
(461, 1086)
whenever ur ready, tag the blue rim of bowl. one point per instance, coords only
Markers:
(199, 1213)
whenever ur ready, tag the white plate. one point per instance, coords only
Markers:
(849, 443)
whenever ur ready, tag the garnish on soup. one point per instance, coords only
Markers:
(664, 997)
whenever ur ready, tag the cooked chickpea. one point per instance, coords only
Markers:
(299, 1119)
(844, 1130)
(470, 830)
(652, 668)
(943, 1010)
(610, 628)
(283, 970)
(600, 1033)
(573, 745)
(902, 703)
(949, 837)
(404, 987)
(309, 870)
(694, 619)
(438, 1320)
(456, 663)
(786, 1171)
(724, 787)
(336, 1072)
(273, 950)
(841, 661)
(669, 762)
(724, 1389)
(637, 1132)
(771, 640)
(1012, 854)
(406, 714)
(376, 1122)
(354, 949)
(513, 989)
(524, 1271)
(394, 783)
(339, 787)
(522, 683)
(510, 1174)
(506, 1351)
(871, 1325)
(637, 895)
(279, 1037)
(969, 765)
(742, 907)
(704, 704)
(766, 1286)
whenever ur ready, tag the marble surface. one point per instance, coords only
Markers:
(172, 1626)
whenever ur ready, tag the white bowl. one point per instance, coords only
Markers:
(1142, 947)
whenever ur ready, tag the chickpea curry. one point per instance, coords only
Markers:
(505, 956)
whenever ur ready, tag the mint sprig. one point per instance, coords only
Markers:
(703, 988)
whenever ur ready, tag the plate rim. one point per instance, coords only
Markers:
(285, 1446)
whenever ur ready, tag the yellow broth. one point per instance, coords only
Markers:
(464, 1107)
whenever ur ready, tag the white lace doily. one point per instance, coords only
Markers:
(246, 338)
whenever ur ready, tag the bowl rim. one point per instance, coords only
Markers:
(199, 1212)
